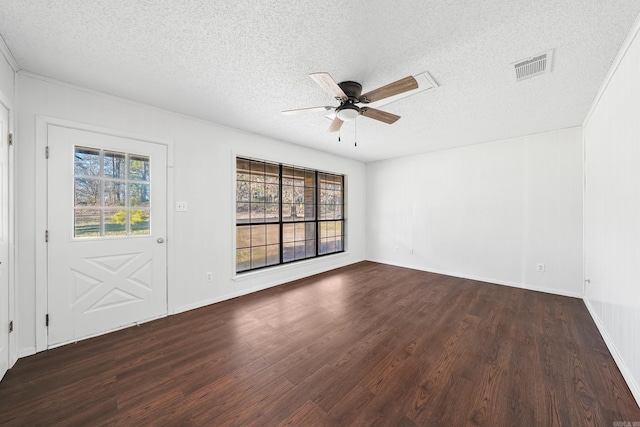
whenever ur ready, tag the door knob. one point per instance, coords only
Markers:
(160, 240)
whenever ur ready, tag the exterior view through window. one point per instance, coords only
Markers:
(286, 213)
(111, 193)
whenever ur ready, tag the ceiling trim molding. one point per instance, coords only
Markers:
(8, 55)
(631, 36)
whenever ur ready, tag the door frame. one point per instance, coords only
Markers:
(11, 267)
(41, 206)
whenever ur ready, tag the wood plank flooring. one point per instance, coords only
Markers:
(365, 345)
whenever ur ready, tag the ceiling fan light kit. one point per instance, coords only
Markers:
(349, 94)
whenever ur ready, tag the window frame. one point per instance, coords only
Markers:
(288, 247)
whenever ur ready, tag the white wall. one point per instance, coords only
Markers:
(7, 76)
(203, 160)
(489, 212)
(612, 211)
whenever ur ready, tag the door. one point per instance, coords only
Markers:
(107, 223)
(4, 241)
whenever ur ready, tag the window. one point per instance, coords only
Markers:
(111, 193)
(286, 213)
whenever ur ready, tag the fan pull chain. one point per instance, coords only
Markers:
(355, 133)
(339, 132)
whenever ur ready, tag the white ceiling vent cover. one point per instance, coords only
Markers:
(534, 66)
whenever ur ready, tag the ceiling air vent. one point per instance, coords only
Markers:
(534, 66)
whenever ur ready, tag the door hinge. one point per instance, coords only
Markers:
(46, 236)
(10, 139)
(46, 152)
(46, 320)
(11, 326)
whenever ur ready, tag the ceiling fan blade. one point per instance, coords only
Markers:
(380, 115)
(329, 85)
(402, 85)
(336, 124)
(306, 110)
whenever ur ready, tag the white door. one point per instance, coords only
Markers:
(4, 241)
(107, 223)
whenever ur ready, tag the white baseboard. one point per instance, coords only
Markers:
(626, 374)
(486, 280)
(26, 352)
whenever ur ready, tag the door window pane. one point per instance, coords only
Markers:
(86, 162)
(139, 168)
(140, 221)
(86, 223)
(114, 165)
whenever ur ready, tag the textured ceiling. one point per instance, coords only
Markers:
(240, 63)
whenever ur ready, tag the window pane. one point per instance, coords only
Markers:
(242, 212)
(310, 248)
(86, 223)
(140, 221)
(310, 231)
(339, 245)
(287, 194)
(86, 162)
(115, 222)
(243, 259)
(310, 179)
(273, 234)
(139, 169)
(271, 173)
(257, 212)
(287, 175)
(273, 254)
(288, 233)
(243, 237)
(114, 165)
(139, 195)
(299, 250)
(272, 212)
(299, 231)
(288, 252)
(243, 169)
(242, 191)
(115, 193)
(258, 256)
(257, 171)
(86, 192)
(258, 235)
(288, 212)
(272, 193)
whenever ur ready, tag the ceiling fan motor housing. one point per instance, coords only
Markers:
(352, 90)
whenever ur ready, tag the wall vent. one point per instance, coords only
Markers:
(533, 66)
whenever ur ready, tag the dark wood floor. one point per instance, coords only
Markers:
(368, 344)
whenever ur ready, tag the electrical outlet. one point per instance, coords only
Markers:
(540, 268)
(410, 251)
(181, 207)
(397, 249)
(209, 276)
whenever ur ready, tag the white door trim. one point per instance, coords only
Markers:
(11, 268)
(42, 125)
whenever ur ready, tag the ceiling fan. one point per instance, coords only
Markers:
(349, 95)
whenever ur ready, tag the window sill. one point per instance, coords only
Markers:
(276, 269)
